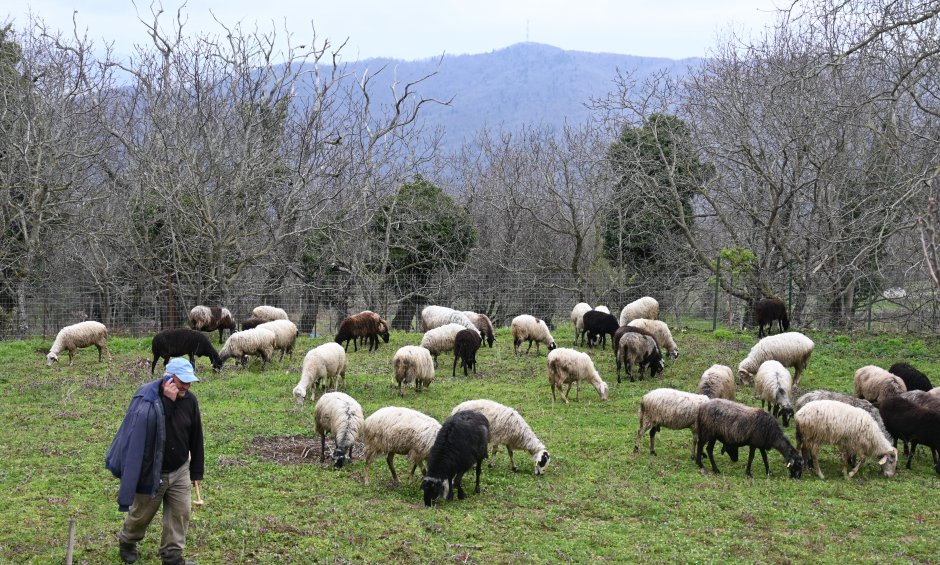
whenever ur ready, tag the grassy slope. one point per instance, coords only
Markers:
(598, 500)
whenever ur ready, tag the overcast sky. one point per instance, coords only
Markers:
(415, 29)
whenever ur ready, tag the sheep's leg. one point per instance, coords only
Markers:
(711, 456)
(698, 453)
(530, 348)
(458, 483)
(476, 489)
(636, 441)
(71, 356)
(861, 459)
(391, 466)
(618, 369)
(154, 364)
(911, 456)
(814, 454)
(553, 394)
(750, 459)
(695, 443)
(653, 431)
(453, 371)
(220, 335)
(495, 451)
(322, 445)
(564, 395)
(512, 463)
(763, 454)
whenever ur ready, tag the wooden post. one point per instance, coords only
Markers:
(71, 546)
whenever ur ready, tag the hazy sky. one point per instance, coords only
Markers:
(413, 29)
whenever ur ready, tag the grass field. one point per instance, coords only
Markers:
(598, 501)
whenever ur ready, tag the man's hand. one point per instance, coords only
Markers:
(170, 390)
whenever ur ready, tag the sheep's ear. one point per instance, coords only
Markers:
(883, 460)
(789, 463)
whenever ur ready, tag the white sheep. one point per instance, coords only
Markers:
(529, 328)
(851, 429)
(670, 408)
(339, 414)
(508, 428)
(718, 382)
(285, 333)
(437, 316)
(269, 313)
(645, 307)
(660, 332)
(773, 385)
(324, 363)
(440, 340)
(792, 349)
(256, 341)
(577, 320)
(845, 399)
(394, 430)
(413, 364)
(569, 366)
(875, 384)
(483, 324)
(77, 336)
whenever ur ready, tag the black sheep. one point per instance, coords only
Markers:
(768, 311)
(913, 379)
(466, 344)
(909, 421)
(460, 444)
(599, 325)
(364, 324)
(252, 323)
(182, 341)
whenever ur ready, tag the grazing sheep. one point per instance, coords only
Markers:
(366, 324)
(770, 310)
(460, 444)
(269, 313)
(661, 332)
(182, 341)
(912, 422)
(717, 382)
(324, 363)
(437, 316)
(598, 325)
(670, 408)
(773, 385)
(736, 424)
(851, 429)
(240, 345)
(398, 431)
(286, 336)
(77, 336)
(206, 319)
(440, 340)
(924, 400)
(466, 344)
(639, 349)
(252, 323)
(577, 320)
(340, 415)
(529, 328)
(508, 428)
(571, 366)
(624, 329)
(645, 307)
(792, 349)
(413, 364)
(913, 379)
(874, 384)
(482, 323)
(845, 399)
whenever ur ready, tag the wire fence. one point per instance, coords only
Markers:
(318, 307)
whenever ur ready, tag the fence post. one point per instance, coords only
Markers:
(715, 306)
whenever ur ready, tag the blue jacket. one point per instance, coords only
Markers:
(136, 454)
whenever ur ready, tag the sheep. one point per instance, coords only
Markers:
(670, 408)
(466, 344)
(875, 384)
(571, 366)
(286, 336)
(661, 332)
(77, 336)
(460, 444)
(792, 349)
(639, 349)
(598, 325)
(735, 425)
(768, 311)
(206, 319)
(340, 415)
(624, 329)
(845, 399)
(717, 382)
(440, 340)
(925, 400)
(482, 323)
(269, 313)
(913, 379)
(577, 320)
(398, 431)
(413, 364)
(773, 385)
(366, 324)
(252, 322)
(508, 428)
(645, 307)
(325, 362)
(851, 429)
(529, 328)
(183, 341)
(910, 421)
(240, 345)
(437, 316)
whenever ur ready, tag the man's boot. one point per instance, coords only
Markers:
(176, 559)
(128, 552)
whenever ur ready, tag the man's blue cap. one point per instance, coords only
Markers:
(181, 367)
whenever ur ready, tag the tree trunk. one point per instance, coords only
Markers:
(407, 310)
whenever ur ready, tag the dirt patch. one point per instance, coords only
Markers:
(295, 450)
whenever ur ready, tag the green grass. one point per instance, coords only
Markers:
(597, 501)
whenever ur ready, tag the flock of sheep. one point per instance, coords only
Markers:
(886, 405)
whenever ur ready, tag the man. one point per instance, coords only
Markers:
(158, 454)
